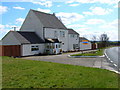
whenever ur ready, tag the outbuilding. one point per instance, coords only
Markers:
(85, 44)
(21, 43)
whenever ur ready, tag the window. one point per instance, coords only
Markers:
(59, 46)
(72, 35)
(55, 34)
(34, 48)
(62, 34)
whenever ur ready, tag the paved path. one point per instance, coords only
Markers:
(63, 58)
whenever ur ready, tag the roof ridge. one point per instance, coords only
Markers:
(46, 19)
(41, 12)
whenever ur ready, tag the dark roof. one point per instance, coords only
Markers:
(49, 20)
(71, 31)
(27, 37)
(52, 41)
(82, 38)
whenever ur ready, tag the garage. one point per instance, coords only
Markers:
(10, 50)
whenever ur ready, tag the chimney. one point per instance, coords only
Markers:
(54, 14)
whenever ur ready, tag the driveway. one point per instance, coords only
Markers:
(64, 59)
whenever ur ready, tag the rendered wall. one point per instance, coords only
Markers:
(26, 49)
(32, 23)
(49, 33)
(73, 40)
(85, 47)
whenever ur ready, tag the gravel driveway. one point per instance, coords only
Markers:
(64, 59)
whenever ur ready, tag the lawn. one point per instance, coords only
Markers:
(93, 53)
(19, 73)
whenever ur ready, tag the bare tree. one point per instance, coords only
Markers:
(94, 38)
(104, 39)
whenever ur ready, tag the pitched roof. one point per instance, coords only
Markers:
(71, 31)
(27, 37)
(49, 20)
(82, 38)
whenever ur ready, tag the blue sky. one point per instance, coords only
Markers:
(88, 17)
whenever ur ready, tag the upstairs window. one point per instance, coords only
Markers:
(62, 34)
(55, 34)
(72, 35)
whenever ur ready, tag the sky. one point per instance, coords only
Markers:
(88, 17)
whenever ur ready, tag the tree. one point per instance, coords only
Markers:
(104, 40)
(94, 38)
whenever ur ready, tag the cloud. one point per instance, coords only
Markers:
(75, 25)
(112, 25)
(20, 8)
(44, 3)
(58, 5)
(44, 10)
(19, 20)
(98, 11)
(94, 1)
(95, 21)
(68, 18)
(3, 9)
(117, 5)
(2, 27)
(73, 5)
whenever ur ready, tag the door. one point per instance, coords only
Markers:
(57, 48)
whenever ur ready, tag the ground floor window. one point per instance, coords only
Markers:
(75, 46)
(34, 48)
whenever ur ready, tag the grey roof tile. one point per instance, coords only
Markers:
(71, 31)
(49, 20)
(82, 38)
(27, 37)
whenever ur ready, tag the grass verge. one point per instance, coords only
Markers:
(19, 73)
(92, 53)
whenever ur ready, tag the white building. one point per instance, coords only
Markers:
(85, 44)
(73, 40)
(42, 33)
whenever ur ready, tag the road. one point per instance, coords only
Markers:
(64, 59)
(113, 56)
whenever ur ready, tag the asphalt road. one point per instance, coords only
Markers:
(100, 62)
(113, 55)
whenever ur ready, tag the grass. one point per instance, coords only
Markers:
(19, 73)
(93, 53)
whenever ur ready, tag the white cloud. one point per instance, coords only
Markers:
(88, 13)
(69, 18)
(95, 21)
(110, 25)
(19, 20)
(111, 28)
(44, 10)
(73, 5)
(44, 3)
(2, 27)
(75, 25)
(116, 5)
(94, 1)
(20, 8)
(3, 9)
(58, 5)
(98, 11)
